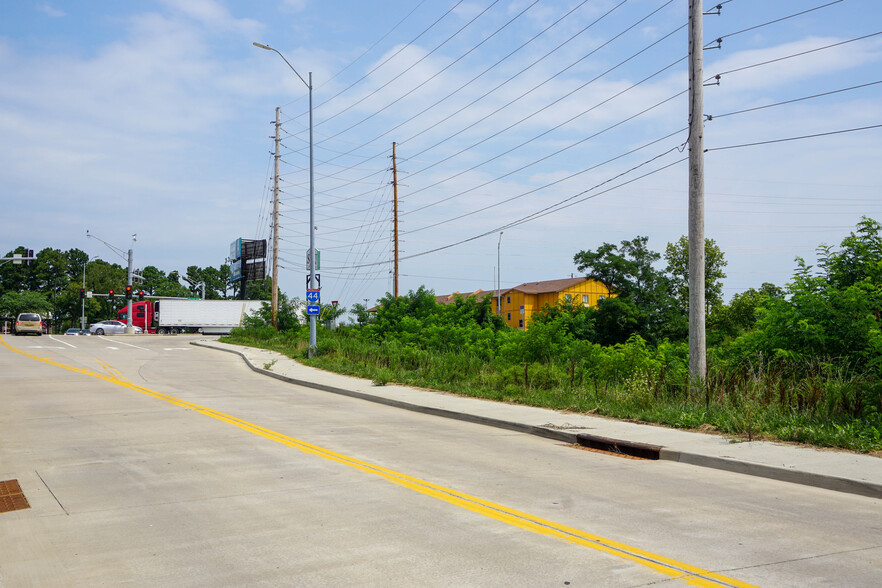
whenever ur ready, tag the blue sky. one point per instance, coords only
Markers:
(155, 118)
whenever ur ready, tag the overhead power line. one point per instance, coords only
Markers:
(812, 136)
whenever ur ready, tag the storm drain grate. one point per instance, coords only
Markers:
(11, 497)
(619, 447)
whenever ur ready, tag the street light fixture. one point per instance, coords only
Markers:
(312, 255)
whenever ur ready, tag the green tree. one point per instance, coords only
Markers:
(362, 316)
(740, 315)
(646, 304)
(214, 280)
(13, 303)
(677, 256)
(290, 314)
(858, 261)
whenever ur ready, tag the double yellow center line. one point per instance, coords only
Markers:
(691, 575)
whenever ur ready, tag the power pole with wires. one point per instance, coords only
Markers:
(277, 156)
(697, 334)
(395, 219)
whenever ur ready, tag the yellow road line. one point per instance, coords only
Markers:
(691, 575)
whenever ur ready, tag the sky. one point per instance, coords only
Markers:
(525, 131)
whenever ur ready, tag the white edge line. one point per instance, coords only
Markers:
(124, 343)
(60, 341)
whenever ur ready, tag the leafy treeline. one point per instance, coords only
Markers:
(800, 363)
(51, 284)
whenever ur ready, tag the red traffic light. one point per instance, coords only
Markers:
(110, 294)
(128, 292)
(82, 293)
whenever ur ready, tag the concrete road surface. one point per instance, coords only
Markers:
(150, 462)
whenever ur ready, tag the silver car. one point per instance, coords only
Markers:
(110, 327)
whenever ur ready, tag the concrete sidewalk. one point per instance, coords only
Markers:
(832, 470)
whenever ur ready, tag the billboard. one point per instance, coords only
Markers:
(255, 271)
(236, 270)
(253, 248)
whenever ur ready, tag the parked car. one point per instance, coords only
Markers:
(75, 331)
(110, 327)
(28, 322)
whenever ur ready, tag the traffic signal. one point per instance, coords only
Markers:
(110, 295)
(29, 254)
(140, 295)
(82, 293)
(128, 292)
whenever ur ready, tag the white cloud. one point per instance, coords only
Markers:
(51, 11)
(215, 16)
(295, 5)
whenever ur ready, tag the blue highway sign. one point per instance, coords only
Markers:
(312, 310)
(313, 295)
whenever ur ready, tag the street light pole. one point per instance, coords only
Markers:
(312, 254)
(118, 251)
(83, 300)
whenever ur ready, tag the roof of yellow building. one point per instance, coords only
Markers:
(547, 286)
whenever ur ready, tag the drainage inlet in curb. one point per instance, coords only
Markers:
(619, 447)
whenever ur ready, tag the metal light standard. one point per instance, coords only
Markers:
(83, 299)
(129, 328)
(312, 255)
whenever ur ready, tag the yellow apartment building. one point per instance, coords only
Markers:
(519, 303)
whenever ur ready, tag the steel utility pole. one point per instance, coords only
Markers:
(697, 335)
(312, 256)
(395, 219)
(275, 293)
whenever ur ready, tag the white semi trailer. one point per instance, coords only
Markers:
(210, 317)
(170, 316)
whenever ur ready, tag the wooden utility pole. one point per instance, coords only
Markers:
(395, 218)
(275, 294)
(697, 335)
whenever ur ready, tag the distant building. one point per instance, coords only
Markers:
(519, 303)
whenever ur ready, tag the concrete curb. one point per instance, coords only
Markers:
(792, 476)
(816, 480)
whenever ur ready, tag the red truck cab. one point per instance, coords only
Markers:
(142, 315)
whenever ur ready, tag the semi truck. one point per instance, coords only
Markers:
(170, 316)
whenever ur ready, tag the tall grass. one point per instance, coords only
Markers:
(789, 399)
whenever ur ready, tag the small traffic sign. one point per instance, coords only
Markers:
(312, 310)
(313, 295)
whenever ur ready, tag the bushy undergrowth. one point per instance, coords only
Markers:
(752, 400)
(803, 363)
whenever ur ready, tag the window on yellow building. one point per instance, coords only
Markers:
(585, 299)
(568, 297)
(508, 317)
(508, 299)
